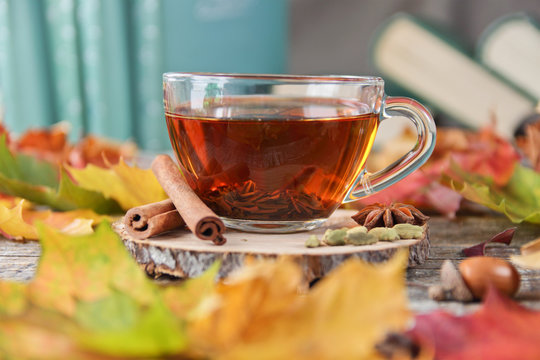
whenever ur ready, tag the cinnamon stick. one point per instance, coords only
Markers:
(152, 219)
(202, 221)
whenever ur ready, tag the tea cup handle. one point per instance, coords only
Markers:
(367, 183)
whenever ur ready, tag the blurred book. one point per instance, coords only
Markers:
(510, 46)
(439, 73)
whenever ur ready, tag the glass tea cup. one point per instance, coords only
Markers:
(280, 153)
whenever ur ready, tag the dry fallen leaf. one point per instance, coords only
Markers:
(504, 237)
(421, 189)
(17, 222)
(50, 144)
(261, 313)
(519, 199)
(12, 224)
(130, 186)
(500, 330)
(531, 247)
(89, 300)
(530, 144)
(10, 201)
(42, 183)
(183, 299)
(481, 153)
(100, 152)
(488, 154)
(530, 255)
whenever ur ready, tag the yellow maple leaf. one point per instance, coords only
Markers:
(10, 201)
(261, 312)
(130, 186)
(17, 222)
(13, 225)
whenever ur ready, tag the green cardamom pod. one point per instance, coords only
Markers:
(358, 236)
(384, 233)
(313, 241)
(358, 229)
(335, 237)
(409, 231)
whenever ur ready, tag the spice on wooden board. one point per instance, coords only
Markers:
(202, 221)
(384, 233)
(152, 219)
(358, 236)
(409, 231)
(380, 215)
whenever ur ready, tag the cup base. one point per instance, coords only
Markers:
(272, 227)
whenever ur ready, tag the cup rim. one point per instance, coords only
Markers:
(171, 76)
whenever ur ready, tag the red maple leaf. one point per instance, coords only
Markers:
(500, 329)
(480, 152)
(488, 154)
(422, 189)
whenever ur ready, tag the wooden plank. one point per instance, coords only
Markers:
(454, 252)
(180, 253)
(19, 248)
(18, 268)
(18, 260)
(470, 230)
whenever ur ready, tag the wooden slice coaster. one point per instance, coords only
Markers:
(179, 253)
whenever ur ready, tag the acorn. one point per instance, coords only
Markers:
(473, 277)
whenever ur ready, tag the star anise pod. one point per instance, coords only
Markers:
(378, 214)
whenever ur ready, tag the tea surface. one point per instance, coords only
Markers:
(268, 158)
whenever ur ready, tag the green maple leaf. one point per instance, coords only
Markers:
(519, 199)
(88, 298)
(39, 181)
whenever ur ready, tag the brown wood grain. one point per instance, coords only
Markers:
(180, 253)
(18, 260)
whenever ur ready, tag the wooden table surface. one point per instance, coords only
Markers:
(18, 260)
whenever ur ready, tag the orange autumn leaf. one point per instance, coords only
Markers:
(17, 222)
(261, 312)
(186, 297)
(100, 152)
(50, 144)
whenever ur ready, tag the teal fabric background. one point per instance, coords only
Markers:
(97, 64)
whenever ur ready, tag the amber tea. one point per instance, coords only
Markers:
(271, 158)
(279, 153)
